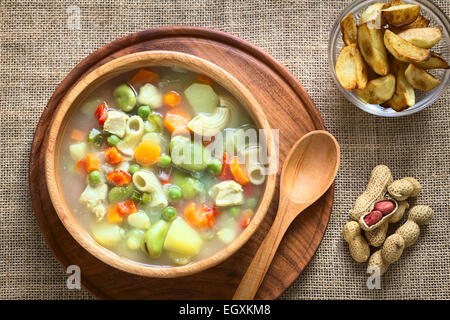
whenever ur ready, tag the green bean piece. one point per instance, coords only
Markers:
(165, 160)
(94, 177)
(215, 166)
(154, 238)
(136, 196)
(234, 211)
(174, 193)
(117, 194)
(113, 140)
(146, 197)
(134, 168)
(252, 202)
(144, 112)
(96, 137)
(169, 213)
(157, 119)
(125, 97)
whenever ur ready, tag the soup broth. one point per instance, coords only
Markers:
(154, 165)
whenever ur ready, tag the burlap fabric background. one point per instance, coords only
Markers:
(38, 50)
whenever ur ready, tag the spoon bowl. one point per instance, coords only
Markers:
(308, 171)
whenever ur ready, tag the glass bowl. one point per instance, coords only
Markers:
(423, 99)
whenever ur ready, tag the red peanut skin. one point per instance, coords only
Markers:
(385, 207)
(373, 217)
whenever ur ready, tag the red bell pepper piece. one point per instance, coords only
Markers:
(119, 178)
(126, 207)
(101, 113)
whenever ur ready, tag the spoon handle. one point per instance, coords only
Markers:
(254, 276)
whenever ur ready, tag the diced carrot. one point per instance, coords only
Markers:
(81, 166)
(114, 216)
(217, 212)
(119, 178)
(112, 155)
(77, 135)
(176, 121)
(204, 79)
(144, 76)
(101, 113)
(172, 99)
(246, 216)
(199, 218)
(126, 207)
(92, 162)
(244, 223)
(147, 152)
(238, 172)
(225, 174)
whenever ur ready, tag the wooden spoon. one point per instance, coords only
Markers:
(308, 172)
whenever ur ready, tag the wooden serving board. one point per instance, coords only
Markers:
(288, 108)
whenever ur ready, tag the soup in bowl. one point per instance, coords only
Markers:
(160, 163)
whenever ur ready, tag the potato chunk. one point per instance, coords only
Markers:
(378, 91)
(436, 61)
(182, 239)
(420, 79)
(372, 14)
(370, 42)
(401, 15)
(350, 68)
(403, 50)
(404, 96)
(348, 29)
(422, 37)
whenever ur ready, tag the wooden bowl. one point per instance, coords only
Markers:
(89, 83)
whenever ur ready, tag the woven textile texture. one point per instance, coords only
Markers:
(38, 49)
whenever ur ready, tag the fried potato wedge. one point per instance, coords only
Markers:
(420, 22)
(436, 61)
(403, 50)
(378, 91)
(422, 37)
(348, 29)
(401, 15)
(370, 43)
(373, 14)
(350, 68)
(404, 96)
(396, 2)
(420, 79)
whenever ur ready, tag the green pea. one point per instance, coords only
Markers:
(94, 177)
(215, 166)
(134, 168)
(164, 160)
(146, 197)
(113, 140)
(117, 194)
(125, 97)
(174, 193)
(136, 196)
(169, 213)
(144, 112)
(234, 211)
(252, 202)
